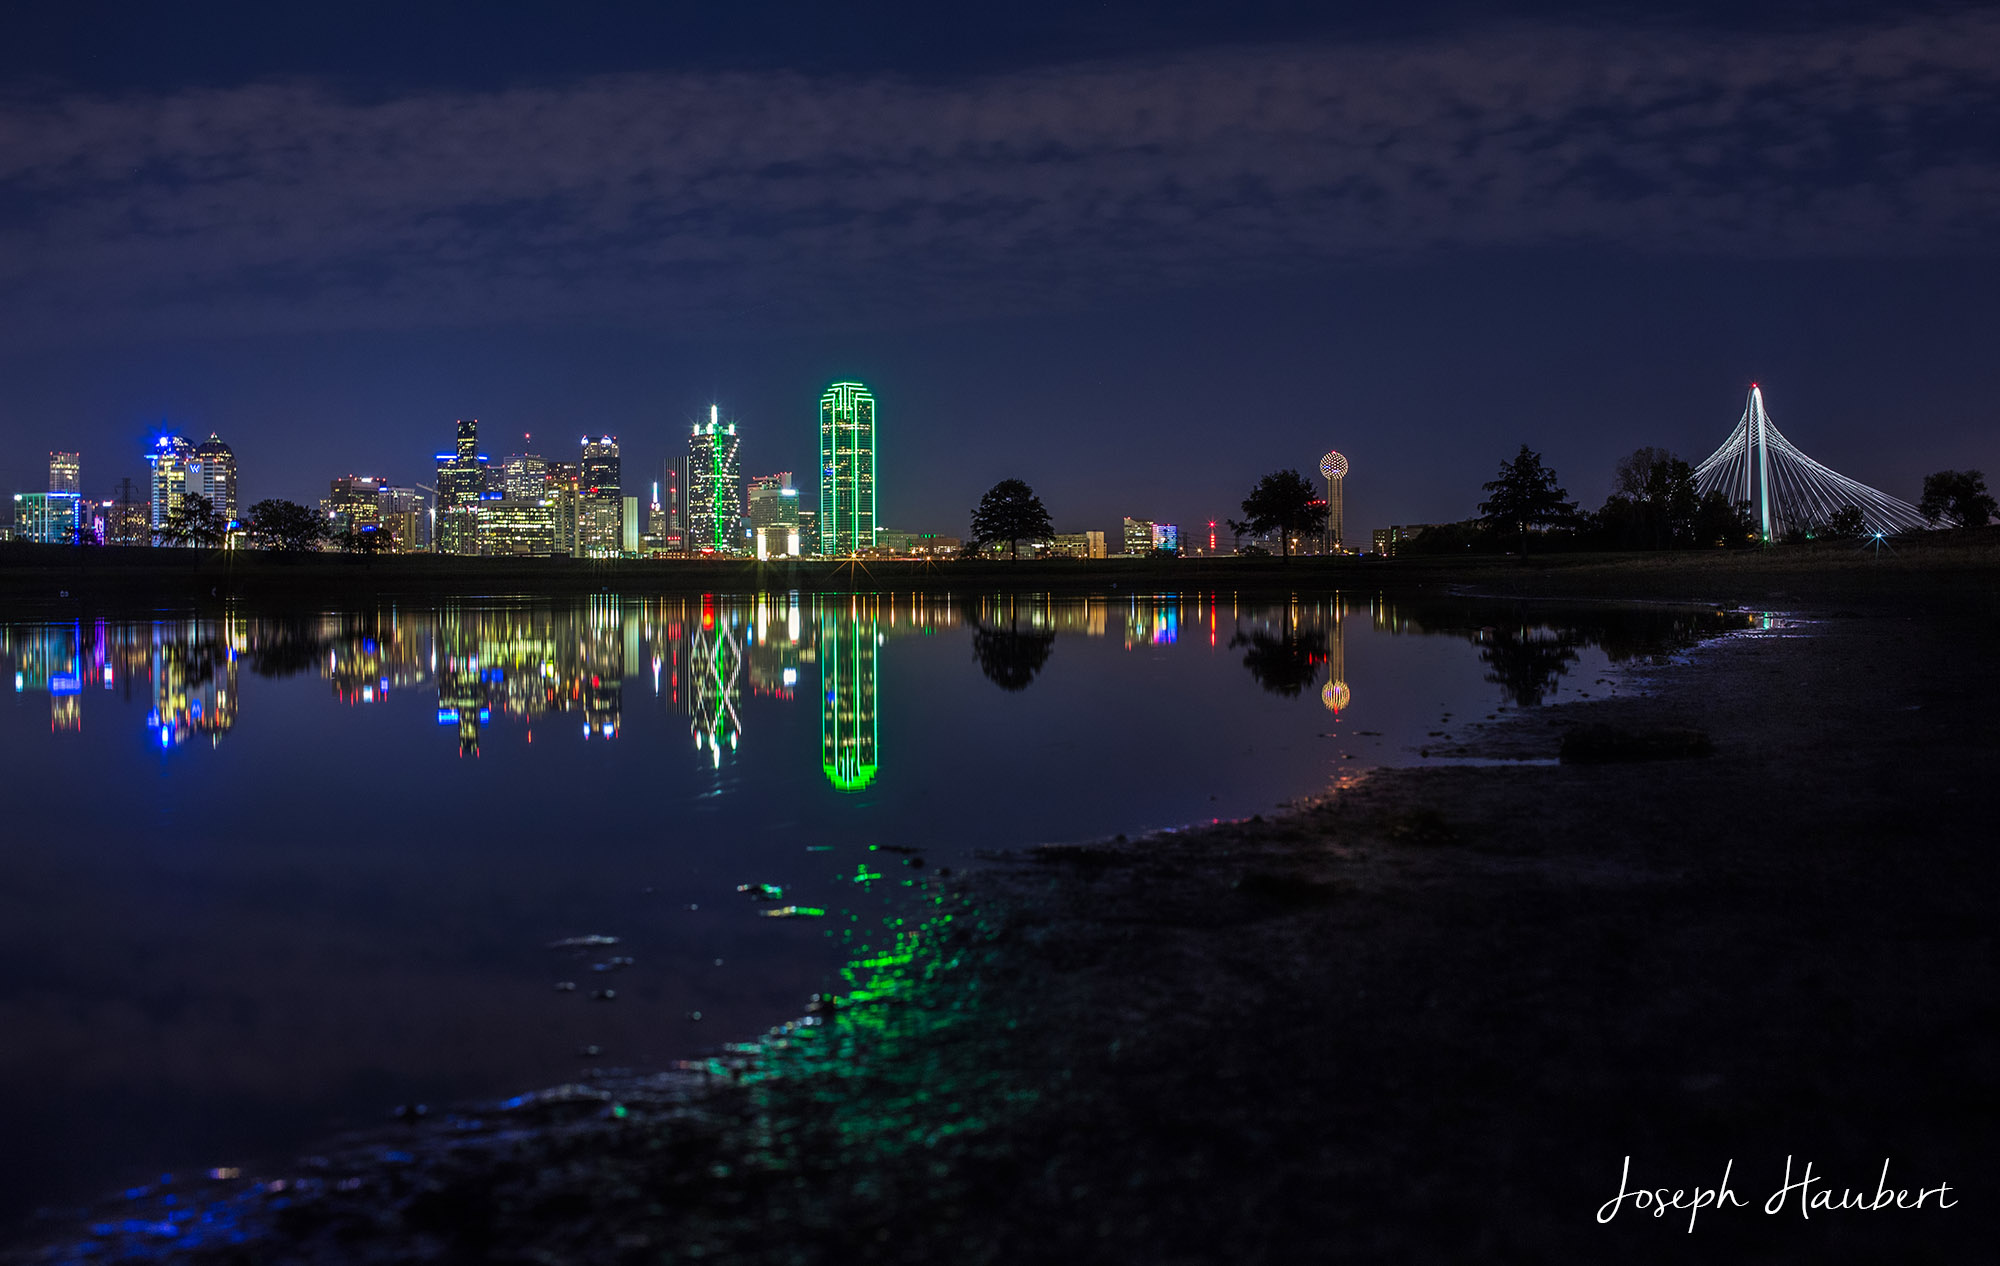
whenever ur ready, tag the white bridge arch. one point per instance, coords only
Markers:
(1788, 490)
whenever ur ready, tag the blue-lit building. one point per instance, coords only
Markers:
(47, 518)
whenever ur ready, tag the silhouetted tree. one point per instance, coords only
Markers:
(367, 540)
(1629, 476)
(1654, 505)
(193, 522)
(1011, 512)
(1525, 496)
(1287, 664)
(1282, 502)
(1009, 656)
(286, 526)
(1846, 521)
(1720, 521)
(1957, 497)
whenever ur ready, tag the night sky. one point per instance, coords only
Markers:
(1137, 255)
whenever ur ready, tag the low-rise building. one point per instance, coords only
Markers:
(1077, 545)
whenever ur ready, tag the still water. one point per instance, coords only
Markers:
(265, 877)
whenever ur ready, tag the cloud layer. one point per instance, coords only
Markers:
(683, 201)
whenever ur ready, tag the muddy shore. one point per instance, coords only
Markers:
(1424, 1018)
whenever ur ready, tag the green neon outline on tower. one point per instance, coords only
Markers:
(847, 418)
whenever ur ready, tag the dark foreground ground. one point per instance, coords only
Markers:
(1423, 1019)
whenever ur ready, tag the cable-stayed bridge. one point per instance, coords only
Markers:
(1787, 490)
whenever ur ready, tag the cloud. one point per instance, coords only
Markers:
(691, 200)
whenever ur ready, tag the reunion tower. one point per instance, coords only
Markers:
(1334, 467)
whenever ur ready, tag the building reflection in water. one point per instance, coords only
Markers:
(715, 660)
(850, 641)
(1335, 694)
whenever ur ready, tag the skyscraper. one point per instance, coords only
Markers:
(400, 512)
(715, 487)
(65, 472)
(565, 496)
(212, 476)
(461, 484)
(169, 460)
(353, 503)
(524, 477)
(773, 511)
(47, 518)
(846, 469)
(601, 511)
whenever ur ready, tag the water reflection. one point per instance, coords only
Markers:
(532, 664)
(1008, 653)
(619, 766)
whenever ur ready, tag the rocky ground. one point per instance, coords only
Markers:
(1425, 1018)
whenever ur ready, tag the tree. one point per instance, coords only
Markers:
(1629, 477)
(1671, 501)
(1653, 503)
(1720, 521)
(1011, 512)
(368, 541)
(1958, 497)
(194, 522)
(1525, 496)
(1846, 521)
(286, 526)
(1282, 502)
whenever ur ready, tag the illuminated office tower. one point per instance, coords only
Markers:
(656, 521)
(524, 477)
(169, 460)
(715, 487)
(353, 503)
(600, 508)
(1138, 536)
(669, 495)
(127, 520)
(46, 518)
(808, 532)
(461, 486)
(65, 472)
(517, 527)
(849, 732)
(773, 506)
(846, 469)
(212, 476)
(565, 496)
(401, 512)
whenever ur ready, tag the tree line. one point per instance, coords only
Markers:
(1654, 504)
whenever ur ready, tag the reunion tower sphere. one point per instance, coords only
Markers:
(1333, 466)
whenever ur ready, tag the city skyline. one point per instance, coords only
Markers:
(1556, 280)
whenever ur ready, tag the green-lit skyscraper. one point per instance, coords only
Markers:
(715, 487)
(846, 469)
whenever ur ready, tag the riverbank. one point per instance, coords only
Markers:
(42, 581)
(1424, 1018)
